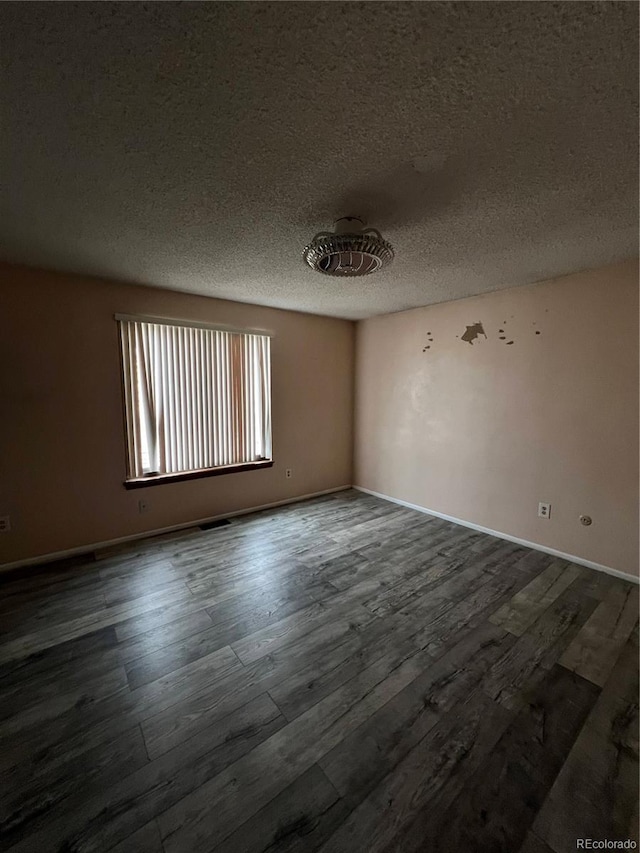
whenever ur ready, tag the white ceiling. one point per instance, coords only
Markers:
(199, 146)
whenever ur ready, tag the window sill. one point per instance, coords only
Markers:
(159, 479)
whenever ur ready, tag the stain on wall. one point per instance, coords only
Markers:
(473, 332)
(430, 341)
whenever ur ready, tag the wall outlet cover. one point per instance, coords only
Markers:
(544, 510)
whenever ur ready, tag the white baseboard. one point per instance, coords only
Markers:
(571, 557)
(96, 546)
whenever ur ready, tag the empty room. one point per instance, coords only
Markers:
(319, 474)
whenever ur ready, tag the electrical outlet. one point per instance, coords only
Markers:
(544, 510)
(288, 473)
(143, 506)
(5, 523)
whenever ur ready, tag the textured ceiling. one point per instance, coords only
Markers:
(200, 146)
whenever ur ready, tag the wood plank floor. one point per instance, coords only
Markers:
(342, 674)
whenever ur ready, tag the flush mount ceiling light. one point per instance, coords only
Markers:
(349, 250)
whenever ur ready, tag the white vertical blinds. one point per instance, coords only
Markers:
(194, 397)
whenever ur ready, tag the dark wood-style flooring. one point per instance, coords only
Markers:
(338, 675)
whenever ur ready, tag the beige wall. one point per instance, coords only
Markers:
(479, 431)
(483, 431)
(62, 459)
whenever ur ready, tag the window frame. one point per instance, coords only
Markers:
(157, 479)
(196, 474)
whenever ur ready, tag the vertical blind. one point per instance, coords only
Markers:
(194, 397)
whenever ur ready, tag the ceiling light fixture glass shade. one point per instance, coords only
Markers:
(350, 250)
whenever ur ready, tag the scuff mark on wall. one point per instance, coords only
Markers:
(473, 332)
(503, 336)
(430, 340)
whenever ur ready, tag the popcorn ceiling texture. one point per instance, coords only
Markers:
(199, 146)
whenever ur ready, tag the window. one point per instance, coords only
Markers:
(197, 399)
